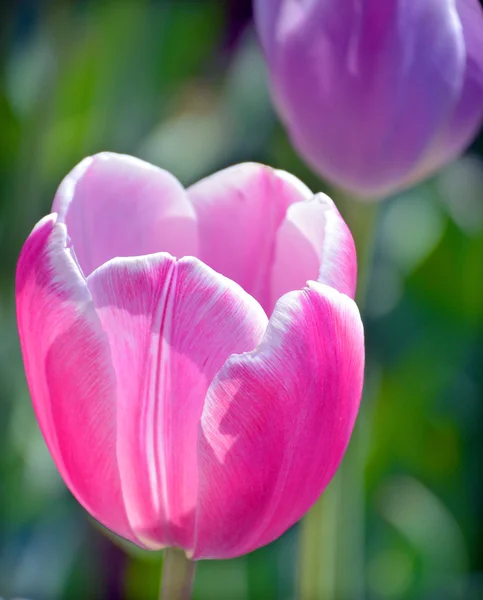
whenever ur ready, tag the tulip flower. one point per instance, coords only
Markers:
(375, 94)
(193, 388)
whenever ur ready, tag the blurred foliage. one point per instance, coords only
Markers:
(182, 84)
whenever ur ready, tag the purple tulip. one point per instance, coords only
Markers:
(376, 95)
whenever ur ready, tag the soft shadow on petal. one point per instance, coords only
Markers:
(239, 211)
(277, 421)
(171, 326)
(313, 239)
(69, 372)
(117, 205)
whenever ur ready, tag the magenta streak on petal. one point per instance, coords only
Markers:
(277, 421)
(69, 372)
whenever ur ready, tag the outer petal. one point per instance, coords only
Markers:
(277, 421)
(360, 86)
(117, 205)
(171, 326)
(69, 372)
(239, 212)
(314, 238)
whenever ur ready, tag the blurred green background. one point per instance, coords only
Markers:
(182, 84)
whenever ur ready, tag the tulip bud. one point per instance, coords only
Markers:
(376, 95)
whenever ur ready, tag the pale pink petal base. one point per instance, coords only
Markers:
(277, 421)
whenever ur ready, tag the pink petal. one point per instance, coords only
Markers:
(171, 326)
(117, 205)
(69, 372)
(277, 421)
(313, 239)
(239, 212)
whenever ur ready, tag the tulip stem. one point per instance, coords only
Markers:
(332, 544)
(178, 575)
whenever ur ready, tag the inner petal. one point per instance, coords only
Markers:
(117, 205)
(313, 243)
(240, 211)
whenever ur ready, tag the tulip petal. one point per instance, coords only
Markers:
(69, 372)
(314, 238)
(171, 326)
(468, 114)
(117, 205)
(277, 421)
(266, 15)
(239, 212)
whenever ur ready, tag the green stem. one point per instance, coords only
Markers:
(332, 534)
(178, 575)
(362, 218)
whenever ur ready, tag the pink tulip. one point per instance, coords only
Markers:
(176, 411)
